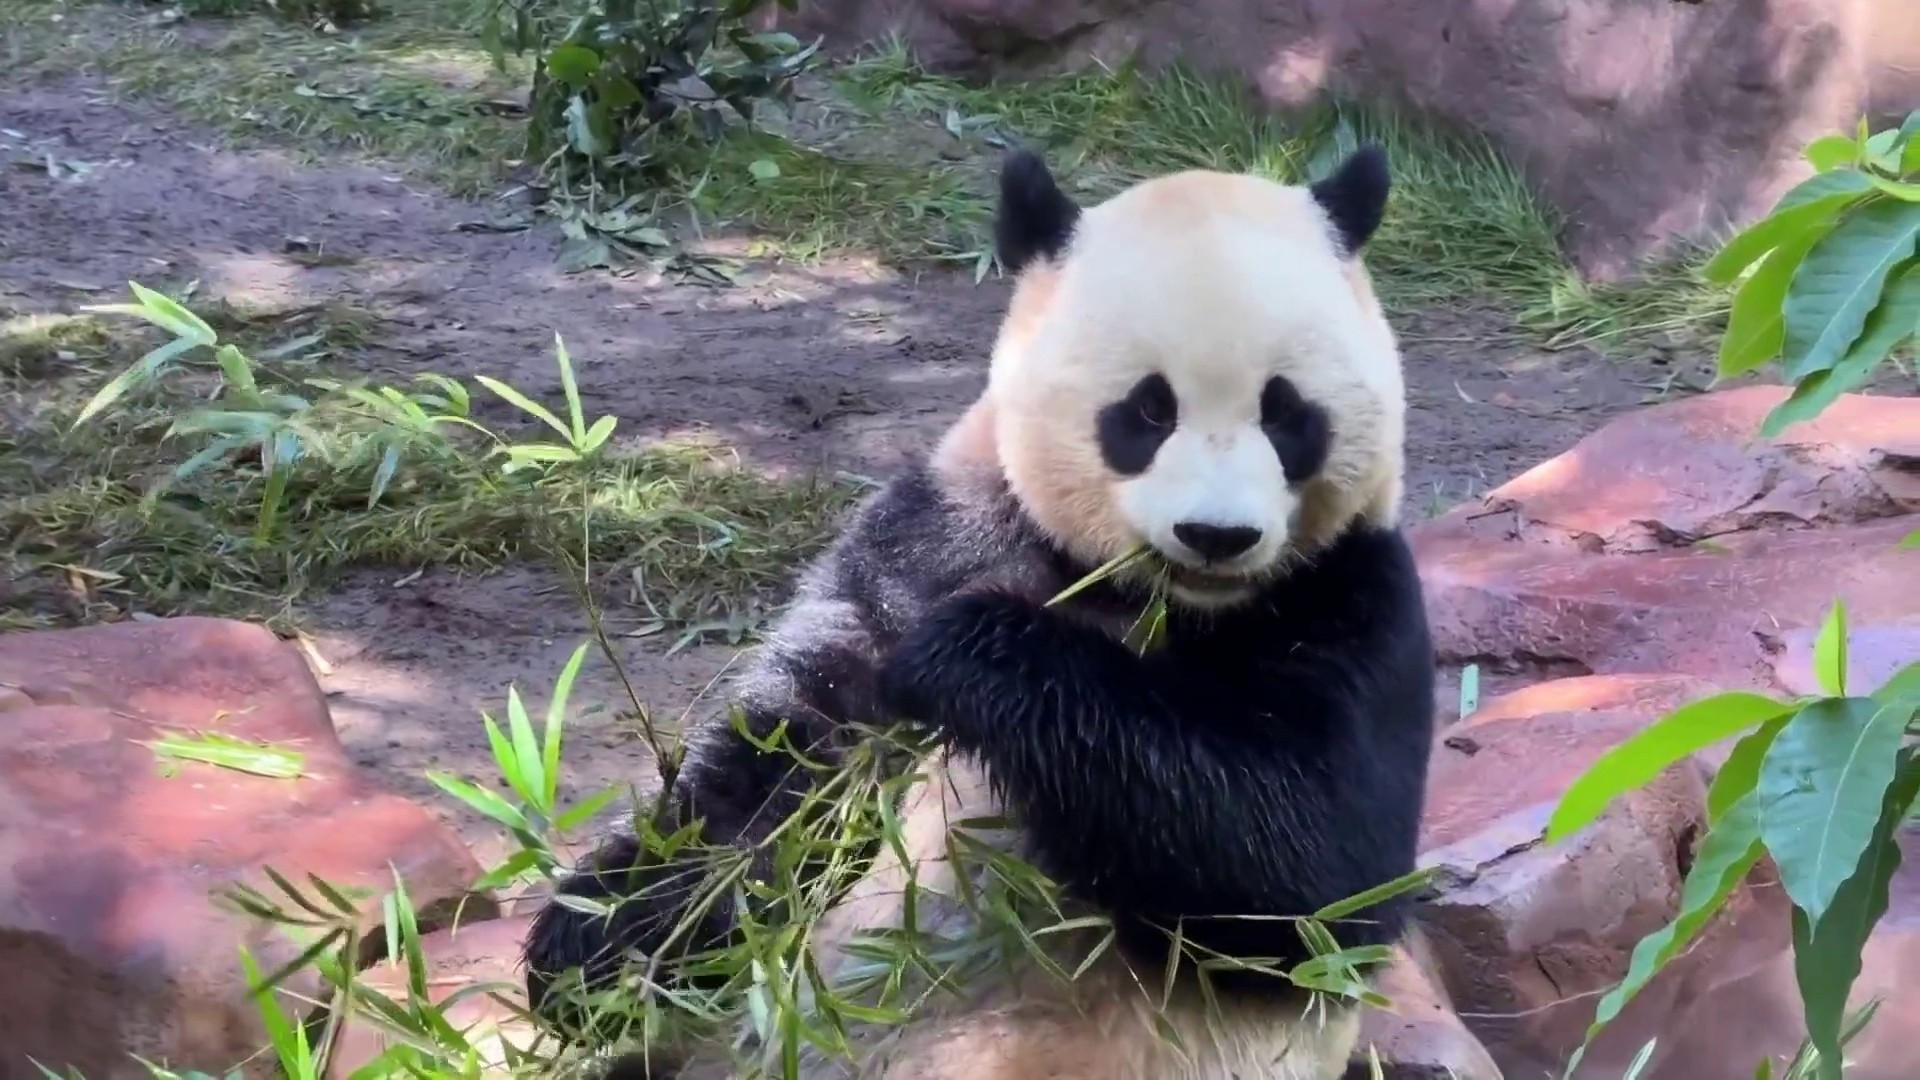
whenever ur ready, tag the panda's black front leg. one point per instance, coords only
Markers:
(1217, 786)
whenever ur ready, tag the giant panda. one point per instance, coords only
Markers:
(1197, 364)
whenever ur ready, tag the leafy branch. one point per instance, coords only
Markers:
(1819, 784)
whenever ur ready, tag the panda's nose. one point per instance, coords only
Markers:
(1216, 542)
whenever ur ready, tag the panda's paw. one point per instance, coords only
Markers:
(580, 939)
(968, 645)
(569, 953)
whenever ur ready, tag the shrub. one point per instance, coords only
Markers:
(1819, 784)
(319, 14)
(622, 73)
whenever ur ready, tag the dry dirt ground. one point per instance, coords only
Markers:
(843, 365)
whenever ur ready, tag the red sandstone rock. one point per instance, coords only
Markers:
(480, 962)
(1526, 935)
(1874, 653)
(1641, 120)
(1420, 1037)
(110, 935)
(1726, 1015)
(1695, 469)
(1591, 560)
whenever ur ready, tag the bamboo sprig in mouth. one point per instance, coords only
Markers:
(1147, 631)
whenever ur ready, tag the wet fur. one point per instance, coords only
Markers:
(1267, 760)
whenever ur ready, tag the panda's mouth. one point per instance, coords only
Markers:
(1191, 581)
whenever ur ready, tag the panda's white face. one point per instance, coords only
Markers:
(1201, 368)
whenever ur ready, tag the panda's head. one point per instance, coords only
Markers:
(1199, 364)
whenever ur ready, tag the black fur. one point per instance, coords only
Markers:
(1265, 762)
(1297, 428)
(905, 550)
(1035, 219)
(1355, 196)
(1131, 430)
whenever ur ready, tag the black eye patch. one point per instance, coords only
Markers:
(1297, 428)
(1131, 430)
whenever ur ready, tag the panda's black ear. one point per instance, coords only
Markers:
(1035, 218)
(1355, 196)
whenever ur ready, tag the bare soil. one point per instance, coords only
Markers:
(842, 365)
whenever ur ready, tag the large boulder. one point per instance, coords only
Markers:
(1417, 1036)
(1641, 120)
(1670, 554)
(1675, 540)
(111, 861)
(474, 978)
(1525, 934)
(1754, 1004)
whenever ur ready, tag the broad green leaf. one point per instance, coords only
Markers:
(1910, 157)
(1741, 772)
(1910, 541)
(573, 65)
(1820, 787)
(1840, 282)
(1891, 323)
(1830, 652)
(1770, 232)
(1755, 331)
(524, 403)
(1878, 150)
(1904, 192)
(1831, 152)
(1903, 685)
(1826, 949)
(1846, 181)
(1635, 762)
(764, 170)
(1727, 852)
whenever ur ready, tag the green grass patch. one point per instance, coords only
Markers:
(687, 541)
(882, 158)
(900, 162)
(413, 88)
